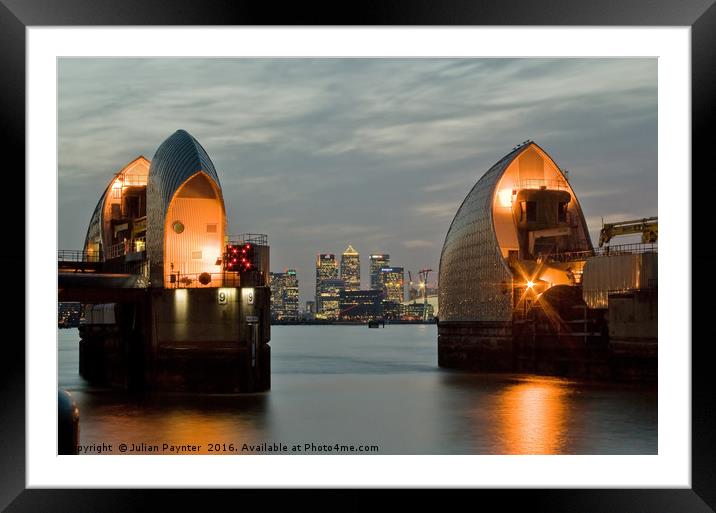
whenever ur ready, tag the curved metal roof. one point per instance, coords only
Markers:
(471, 266)
(94, 229)
(474, 278)
(177, 159)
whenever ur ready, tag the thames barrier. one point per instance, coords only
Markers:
(170, 299)
(522, 289)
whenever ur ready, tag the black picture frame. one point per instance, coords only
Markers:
(16, 15)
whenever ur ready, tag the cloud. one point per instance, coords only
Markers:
(452, 184)
(436, 209)
(417, 243)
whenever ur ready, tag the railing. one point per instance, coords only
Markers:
(134, 180)
(622, 249)
(78, 255)
(202, 280)
(559, 185)
(637, 247)
(259, 239)
(135, 245)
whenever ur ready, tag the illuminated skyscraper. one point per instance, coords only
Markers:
(393, 281)
(350, 268)
(284, 296)
(276, 294)
(290, 295)
(330, 297)
(377, 262)
(326, 269)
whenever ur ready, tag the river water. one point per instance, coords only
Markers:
(379, 390)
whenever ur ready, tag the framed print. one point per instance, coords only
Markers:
(420, 251)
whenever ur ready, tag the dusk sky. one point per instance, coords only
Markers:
(378, 153)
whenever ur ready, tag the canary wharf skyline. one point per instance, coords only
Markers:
(378, 153)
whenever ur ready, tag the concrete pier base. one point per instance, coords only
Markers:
(479, 346)
(525, 348)
(197, 340)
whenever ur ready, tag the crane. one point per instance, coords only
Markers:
(424, 273)
(412, 293)
(648, 227)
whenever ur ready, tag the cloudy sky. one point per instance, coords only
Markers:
(379, 153)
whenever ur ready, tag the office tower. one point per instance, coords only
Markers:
(326, 269)
(350, 268)
(290, 295)
(392, 279)
(276, 284)
(284, 296)
(330, 298)
(377, 262)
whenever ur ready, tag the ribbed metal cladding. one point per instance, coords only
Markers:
(475, 281)
(94, 230)
(472, 273)
(176, 160)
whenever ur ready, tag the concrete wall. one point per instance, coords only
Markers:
(212, 340)
(192, 316)
(475, 345)
(633, 320)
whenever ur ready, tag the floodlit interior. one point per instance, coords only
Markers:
(121, 226)
(194, 233)
(535, 209)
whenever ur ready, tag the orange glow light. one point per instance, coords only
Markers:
(533, 416)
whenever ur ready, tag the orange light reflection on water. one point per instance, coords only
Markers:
(532, 416)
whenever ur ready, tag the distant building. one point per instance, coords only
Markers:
(377, 262)
(276, 293)
(68, 315)
(418, 311)
(290, 297)
(392, 310)
(393, 281)
(350, 268)
(432, 301)
(309, 313)
(330, 298)
(326, 269)
(361, 305)
(284, 296)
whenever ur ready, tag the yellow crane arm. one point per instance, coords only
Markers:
(648, 227)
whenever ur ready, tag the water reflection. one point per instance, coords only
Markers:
(532, 416)
(176, 420)
(352, 385)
